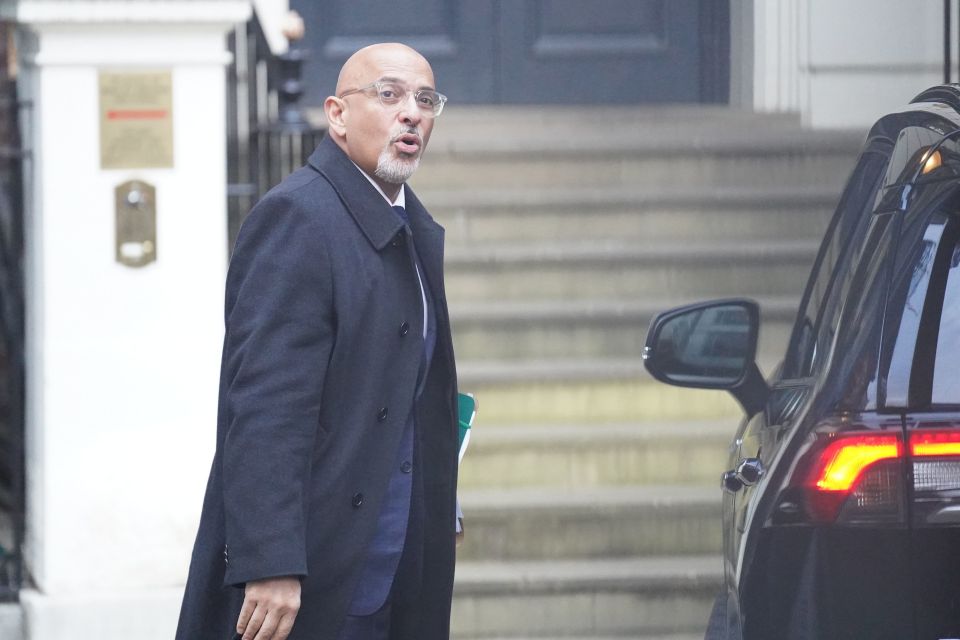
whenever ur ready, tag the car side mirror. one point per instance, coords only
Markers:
(709, 345)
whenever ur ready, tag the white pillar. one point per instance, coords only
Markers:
(842, 64)
(778, 26)
(122, 361)
(868, 57)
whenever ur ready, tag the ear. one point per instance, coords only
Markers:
(333, 108)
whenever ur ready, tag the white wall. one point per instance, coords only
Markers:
(844, 63)
(122, 362)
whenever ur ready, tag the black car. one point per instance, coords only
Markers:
(841, 505)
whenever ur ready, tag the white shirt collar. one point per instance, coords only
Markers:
(401, 200)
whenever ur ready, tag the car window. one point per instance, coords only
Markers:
(850, 220)
(946, 381)
(908, 295)
(924, 317)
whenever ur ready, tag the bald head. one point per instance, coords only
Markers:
(361, 68)
(384, 140)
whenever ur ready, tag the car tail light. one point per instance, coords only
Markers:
(856, 476)
(936, 476)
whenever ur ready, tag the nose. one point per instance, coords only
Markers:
(409, 111)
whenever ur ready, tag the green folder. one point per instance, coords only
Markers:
(467, 411)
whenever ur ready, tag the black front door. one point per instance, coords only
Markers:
(534, 51)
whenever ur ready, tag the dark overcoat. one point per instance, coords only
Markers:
(320, 361)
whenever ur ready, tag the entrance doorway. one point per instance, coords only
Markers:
(535, 51)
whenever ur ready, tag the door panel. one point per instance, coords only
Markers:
(533, 51)
(455, 35)
(607, 51)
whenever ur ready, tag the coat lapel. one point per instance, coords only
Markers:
(370, 211)
(375, 218)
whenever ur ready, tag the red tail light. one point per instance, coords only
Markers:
(936, 476)
(934, 444)
(858, 473)
(844, 461)
(858, 476)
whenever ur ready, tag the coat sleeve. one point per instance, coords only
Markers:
(279, 334)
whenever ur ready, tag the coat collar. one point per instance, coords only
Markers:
(368, 208)
(372, 213)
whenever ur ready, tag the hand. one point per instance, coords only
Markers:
(269, 608)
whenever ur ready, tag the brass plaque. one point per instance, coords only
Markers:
(136, 120)
(136, 211)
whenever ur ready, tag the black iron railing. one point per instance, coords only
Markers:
(267, 135)
(12, 494)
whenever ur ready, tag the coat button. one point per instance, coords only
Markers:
(382, 414)
(406, 466)
(404, 328)
(397, 240)
(357, 500)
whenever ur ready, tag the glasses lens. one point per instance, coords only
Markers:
(389, 93)
(430, 102)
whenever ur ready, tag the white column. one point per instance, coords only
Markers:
(777, 37)
(122, 362)
(868, 57)
(844, 64)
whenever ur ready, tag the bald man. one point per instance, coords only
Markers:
(330, 509)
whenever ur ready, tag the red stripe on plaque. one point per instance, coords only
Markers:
(137, 114)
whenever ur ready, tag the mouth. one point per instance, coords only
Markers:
(408, 143)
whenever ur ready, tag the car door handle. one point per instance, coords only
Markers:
(749, 471)
(730, 482)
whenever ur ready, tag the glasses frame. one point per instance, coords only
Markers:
(441, 99)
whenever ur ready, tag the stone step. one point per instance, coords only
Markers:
(544, 120)
(622, 596)
(641, 157)
(580, 391)
(633, 169)
(665, 132)
(565, 271)
(596, 455)
(478, 215)
(550, 523)
(547, 122)
(514, 330)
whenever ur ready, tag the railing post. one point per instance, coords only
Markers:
(277, 142)
(946, 41)
(290, 87)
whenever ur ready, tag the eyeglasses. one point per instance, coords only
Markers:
(392, 94)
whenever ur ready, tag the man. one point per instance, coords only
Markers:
(330, 509)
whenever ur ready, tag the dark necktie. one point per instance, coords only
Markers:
(402, 213)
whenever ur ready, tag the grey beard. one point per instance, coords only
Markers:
(395, 170)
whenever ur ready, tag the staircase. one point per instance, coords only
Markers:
(590, 491)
